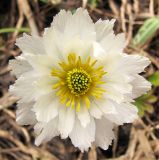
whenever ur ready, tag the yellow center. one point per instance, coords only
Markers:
(78, 81)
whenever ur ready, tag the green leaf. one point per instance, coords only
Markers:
(44, 1)
(8, 30)
(146, 32)
(144, 103)
(93, 3)
(54, 2)
(139, 105)
(154, 79)
(143, 107)
(152, 99)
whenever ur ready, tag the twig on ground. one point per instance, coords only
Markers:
(130, 25)
(7, 100)
(20, 20)
(84, 3)
(92, 155)
(29, 15)
(114, 8)
(122, 15)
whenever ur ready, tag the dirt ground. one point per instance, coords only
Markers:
(137, 141)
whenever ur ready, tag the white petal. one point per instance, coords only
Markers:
(24, 114)
(24, 87)
(71, 25)
(104, 133)
(46, 107)
(117, 87)
(59, 40)
(97, 50)
(140, 86)
(114, 95)
(19, 66)
(38, 85)
(61, 19)
(48, 132)
(113, 44)
(78, 46)
(133, 64)
(66, 121)
(108, 43)
(103, 28)
(106, 106)
(110, 62)
(95, 111)
(42, 64)
(120, 43)
(80, 25)
(125, 113)
(31, 44)
(44, 84)
(82, 137)
(39, 127)
(54, 42)
(84, 116)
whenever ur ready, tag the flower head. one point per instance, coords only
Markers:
(75, 81)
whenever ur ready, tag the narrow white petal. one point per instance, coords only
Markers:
(113, 44)
(134, 64)
(61, 19)
(110, 62)
(82, 137)
(54, 42)
(66, 121)
(31, 44)
(38, 127)
(59, 45)
(97, 50)
(84, 116)
(78, 46)
(49, 131)
(108, 43)
(117, 87)
(140, 86)
(24, 114)
(42, 64)
(21, 89)
(103, 28)
(45, 83)
(95, 111)
(38, 85)
(19, 66)
(104, 133)
(71, 25)
(106, 106)
(46, 107)
(80, 25)
(120, 43)
(114, 95)
(125, 113)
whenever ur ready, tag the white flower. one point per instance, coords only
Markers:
(75, 81)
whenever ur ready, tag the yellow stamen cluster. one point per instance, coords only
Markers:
(78, 81)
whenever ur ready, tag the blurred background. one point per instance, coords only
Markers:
(139, 20)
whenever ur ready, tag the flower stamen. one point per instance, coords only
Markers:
(78, 81)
